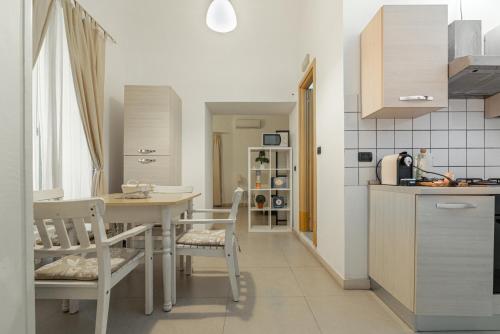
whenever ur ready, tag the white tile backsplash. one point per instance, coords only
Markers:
(350, 158)
(475, 120)
(475, 139)
(458, 157)
(475, 105)
(475, 157)
(421, 139)
(460, 140)
(403, 139)
(350, 121)
(439, 121)
(367, 139)
(458, 120)
(439, 139)
(457, 105)
(403, 124)
(385, 139)
(385, 124)
(422, 122)
(492, 138)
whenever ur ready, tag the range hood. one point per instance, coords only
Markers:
(474, 76)
(471, 73)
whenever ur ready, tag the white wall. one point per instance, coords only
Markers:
(235, 144)
(167, 42)
(357, 13)
(321, 36)
(16, 254)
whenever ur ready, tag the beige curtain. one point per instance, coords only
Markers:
(217, 170)
(42, 12)
(86, 44)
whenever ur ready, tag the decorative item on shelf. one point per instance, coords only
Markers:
(260, 200)
(278, 202)
(278, 182)
(261, 160)
(258, 182)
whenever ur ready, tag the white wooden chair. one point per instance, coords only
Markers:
(78, 274)
(213, 242)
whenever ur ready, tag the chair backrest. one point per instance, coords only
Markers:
(238, 193)
(75, 212)
(49, 194)
(172, 189)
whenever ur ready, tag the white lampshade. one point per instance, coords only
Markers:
(221, 16)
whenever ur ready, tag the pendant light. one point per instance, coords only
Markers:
(221, 16)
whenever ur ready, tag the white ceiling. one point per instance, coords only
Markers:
(251, 108)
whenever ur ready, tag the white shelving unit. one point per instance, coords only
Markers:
(269, 218)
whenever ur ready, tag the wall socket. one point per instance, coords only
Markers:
(365, 156)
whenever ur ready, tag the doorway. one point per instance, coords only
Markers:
(307, 154)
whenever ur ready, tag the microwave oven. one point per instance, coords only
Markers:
(280, 138)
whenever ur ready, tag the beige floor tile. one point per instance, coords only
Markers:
(203, 284)
(300, 257)
(270, 315)
(354, 314)
(268, 282)
(317, 282)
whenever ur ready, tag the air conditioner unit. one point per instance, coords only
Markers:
(248, 124)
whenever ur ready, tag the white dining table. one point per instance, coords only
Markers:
(157, 209)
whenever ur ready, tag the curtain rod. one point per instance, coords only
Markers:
(76, 3)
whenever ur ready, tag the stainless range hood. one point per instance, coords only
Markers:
(471, 74)
(474, 76)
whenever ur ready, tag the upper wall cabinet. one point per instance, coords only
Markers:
(404, 61)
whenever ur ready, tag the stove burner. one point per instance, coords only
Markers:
(479, 182)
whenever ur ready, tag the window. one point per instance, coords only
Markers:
(61, 157)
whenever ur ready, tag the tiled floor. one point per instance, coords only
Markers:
(283, 287)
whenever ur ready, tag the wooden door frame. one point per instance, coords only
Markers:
(308, 79)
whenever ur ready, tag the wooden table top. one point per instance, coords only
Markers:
(156, 199)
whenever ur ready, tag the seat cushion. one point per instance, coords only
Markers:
(75, 267)
(213, 238)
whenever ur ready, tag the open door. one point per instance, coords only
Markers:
(307, 153)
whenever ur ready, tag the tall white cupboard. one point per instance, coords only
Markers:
(152, 135)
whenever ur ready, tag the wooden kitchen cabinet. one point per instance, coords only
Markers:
(454, 255)
(433, 253)
(404, 61)
(152, 135)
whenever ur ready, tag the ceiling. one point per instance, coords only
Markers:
(251, 108)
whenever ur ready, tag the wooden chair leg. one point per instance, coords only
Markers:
(189, 266)
(235, 259)
(148, 262)
(101, 322)
(232, 275)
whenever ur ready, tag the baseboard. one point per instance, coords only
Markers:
(346, 284)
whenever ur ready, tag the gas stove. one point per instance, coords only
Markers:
(479, 182)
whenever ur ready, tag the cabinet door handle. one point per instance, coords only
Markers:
(146, 151)
(416, 98)
(146, 161)
(455, 206)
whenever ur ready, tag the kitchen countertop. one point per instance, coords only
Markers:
(475, 190)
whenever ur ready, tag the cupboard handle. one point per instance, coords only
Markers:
(455, 206)
(146, 151)
(416, 98)
(146, 161)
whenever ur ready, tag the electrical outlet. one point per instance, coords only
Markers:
(365, 156)
(318, 150)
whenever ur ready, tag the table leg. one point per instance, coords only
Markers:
(173, 242)
(166, 221)
(189, 265)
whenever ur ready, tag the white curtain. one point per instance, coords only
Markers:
(60, 153)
